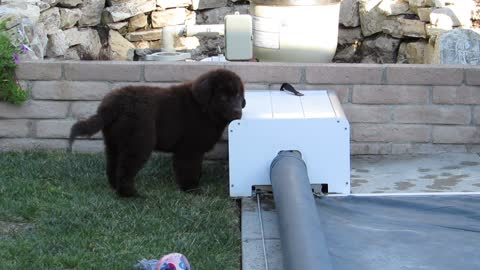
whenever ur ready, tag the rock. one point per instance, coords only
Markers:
(217, 15)
(415, 4)
(154, 34)
(394, 7)
(119, 47)
(349, 15)
(424, 14)
(91, 12)
(148, 45)
(209, 46)
(90, 44)
(454, 16)
(19, 11)
(39, 41)
(117, 26)
(371, 18)
(71, 54)
(137, 22)
(69, 17)
(400, 27)
(51, 19)
(346, 54)
(186, 43)
(433, 30)
(379, 49)
(57, 44)
(175, 16)
(128, 9)
(69, 3)
(206, 4)
(73, 36)
(412, 52)
(349, 35)
(164, 4)
(458, 46)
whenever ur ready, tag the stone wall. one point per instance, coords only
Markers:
(370, 31)
(392, 109)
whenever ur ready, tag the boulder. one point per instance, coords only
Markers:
(91, 12)
(346, 54)
(122, 11)
(412, 52)
(371, 17)
(90, 44)
(458, 46)
(39, 41)
(154, 34)
(52, 20)
(424, 14)
(349, 16)
(73, 36)
(18, 11)
(72, 54)
(69, 17)
(401, 27)
(119, 47)
(380, 49)
(57, 44)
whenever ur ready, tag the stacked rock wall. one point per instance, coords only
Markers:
(370, 31)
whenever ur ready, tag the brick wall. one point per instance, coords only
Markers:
(392, 109)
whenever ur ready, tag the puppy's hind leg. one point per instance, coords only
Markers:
(188, 169)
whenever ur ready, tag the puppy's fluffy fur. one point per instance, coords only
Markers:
(186, 120)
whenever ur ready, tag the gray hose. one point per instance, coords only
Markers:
(301, 233)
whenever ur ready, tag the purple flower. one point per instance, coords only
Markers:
(16, 58)
(24, 48)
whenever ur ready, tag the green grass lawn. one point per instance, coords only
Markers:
(58, 212)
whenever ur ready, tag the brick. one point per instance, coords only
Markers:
(39, 70)
(31, 144)
(82, 110)
(390, 133)
(456, 95)
(14, 128)
(474, 148)
(367, 113)
(219, 152)
(476, 115)
(178, 71)
(88, 146)
(370, 148)
(427, 148)
(456, 134)
(472, 75)
(267, 72)
(341, 90)
(55, 129)
(35, 109)
(103, 71)
(424, 74)
(344, 74)
(390, 94)
(119, 85)
(68, 90)
(418, 114)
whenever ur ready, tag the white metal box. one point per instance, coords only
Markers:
(313, 124)
(238, 37)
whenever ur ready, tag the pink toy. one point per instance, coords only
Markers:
(173, 261)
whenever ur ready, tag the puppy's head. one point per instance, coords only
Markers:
(220, 92)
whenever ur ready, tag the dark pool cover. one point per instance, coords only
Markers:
(427, 232)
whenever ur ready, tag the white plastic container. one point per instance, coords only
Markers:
(295, 31)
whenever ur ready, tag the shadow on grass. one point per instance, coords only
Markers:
(61, 214)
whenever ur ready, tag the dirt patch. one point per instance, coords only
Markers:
(403, 185)
(9, 228)
(447, 183)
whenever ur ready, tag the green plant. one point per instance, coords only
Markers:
(10, 91)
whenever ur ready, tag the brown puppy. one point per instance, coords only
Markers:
(186, 120)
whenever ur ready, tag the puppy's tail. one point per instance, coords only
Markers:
(86, 127)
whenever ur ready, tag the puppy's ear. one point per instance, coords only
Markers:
(202, 91)
(244, 103)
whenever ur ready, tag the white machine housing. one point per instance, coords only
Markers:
(275, 120)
